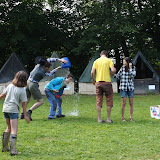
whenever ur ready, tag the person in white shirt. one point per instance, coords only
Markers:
(14, 94)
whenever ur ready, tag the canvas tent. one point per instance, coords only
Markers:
(85, 80)
(146, 80)
(59, 73)
(9, 69)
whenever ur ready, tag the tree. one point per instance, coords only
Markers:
(78, 29)
(28, 31)
(122, 26)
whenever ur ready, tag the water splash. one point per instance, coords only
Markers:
(75, 108)
(74, 113)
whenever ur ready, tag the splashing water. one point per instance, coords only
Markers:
(74, 113)
(75, 108)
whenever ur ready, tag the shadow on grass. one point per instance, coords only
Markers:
(71, 120)
(93, 121)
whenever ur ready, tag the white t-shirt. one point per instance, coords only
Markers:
(14, 96)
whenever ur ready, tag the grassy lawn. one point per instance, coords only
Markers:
(80, 136)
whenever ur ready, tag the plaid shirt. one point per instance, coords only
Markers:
(126, 78)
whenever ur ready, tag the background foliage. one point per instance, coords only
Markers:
(78, 29)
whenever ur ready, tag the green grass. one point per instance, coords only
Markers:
(82, 137)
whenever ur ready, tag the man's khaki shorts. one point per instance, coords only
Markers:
(101, 88)
(33, 89)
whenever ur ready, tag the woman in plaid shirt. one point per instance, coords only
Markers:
(126, 75)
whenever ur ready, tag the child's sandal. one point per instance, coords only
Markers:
(123, 119)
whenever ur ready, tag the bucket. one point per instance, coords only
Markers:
(66, 65)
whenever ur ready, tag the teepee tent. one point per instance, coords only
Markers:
(10, 68)
(59, 73)
(85, 80)
(146, 80)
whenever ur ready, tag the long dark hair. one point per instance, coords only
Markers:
(20, 79)
(128, 60)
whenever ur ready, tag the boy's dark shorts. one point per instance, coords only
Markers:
(101, 88)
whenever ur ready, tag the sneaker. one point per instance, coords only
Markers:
(29, 112)
(21, 116)
(50, 118)
(60, 116)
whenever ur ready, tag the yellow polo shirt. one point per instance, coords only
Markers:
(102, 66)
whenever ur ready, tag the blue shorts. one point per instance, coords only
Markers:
(11, 115)
(125, 93)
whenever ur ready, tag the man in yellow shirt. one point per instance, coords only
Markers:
(102, 66)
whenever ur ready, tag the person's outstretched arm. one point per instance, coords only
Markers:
(51, 60)
(51, 73)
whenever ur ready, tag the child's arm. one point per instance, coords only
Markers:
(51, 60)
(54, 71)
(24, 106)
(62, 60)
(51, 73)
(59, 67)
(2, 96)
